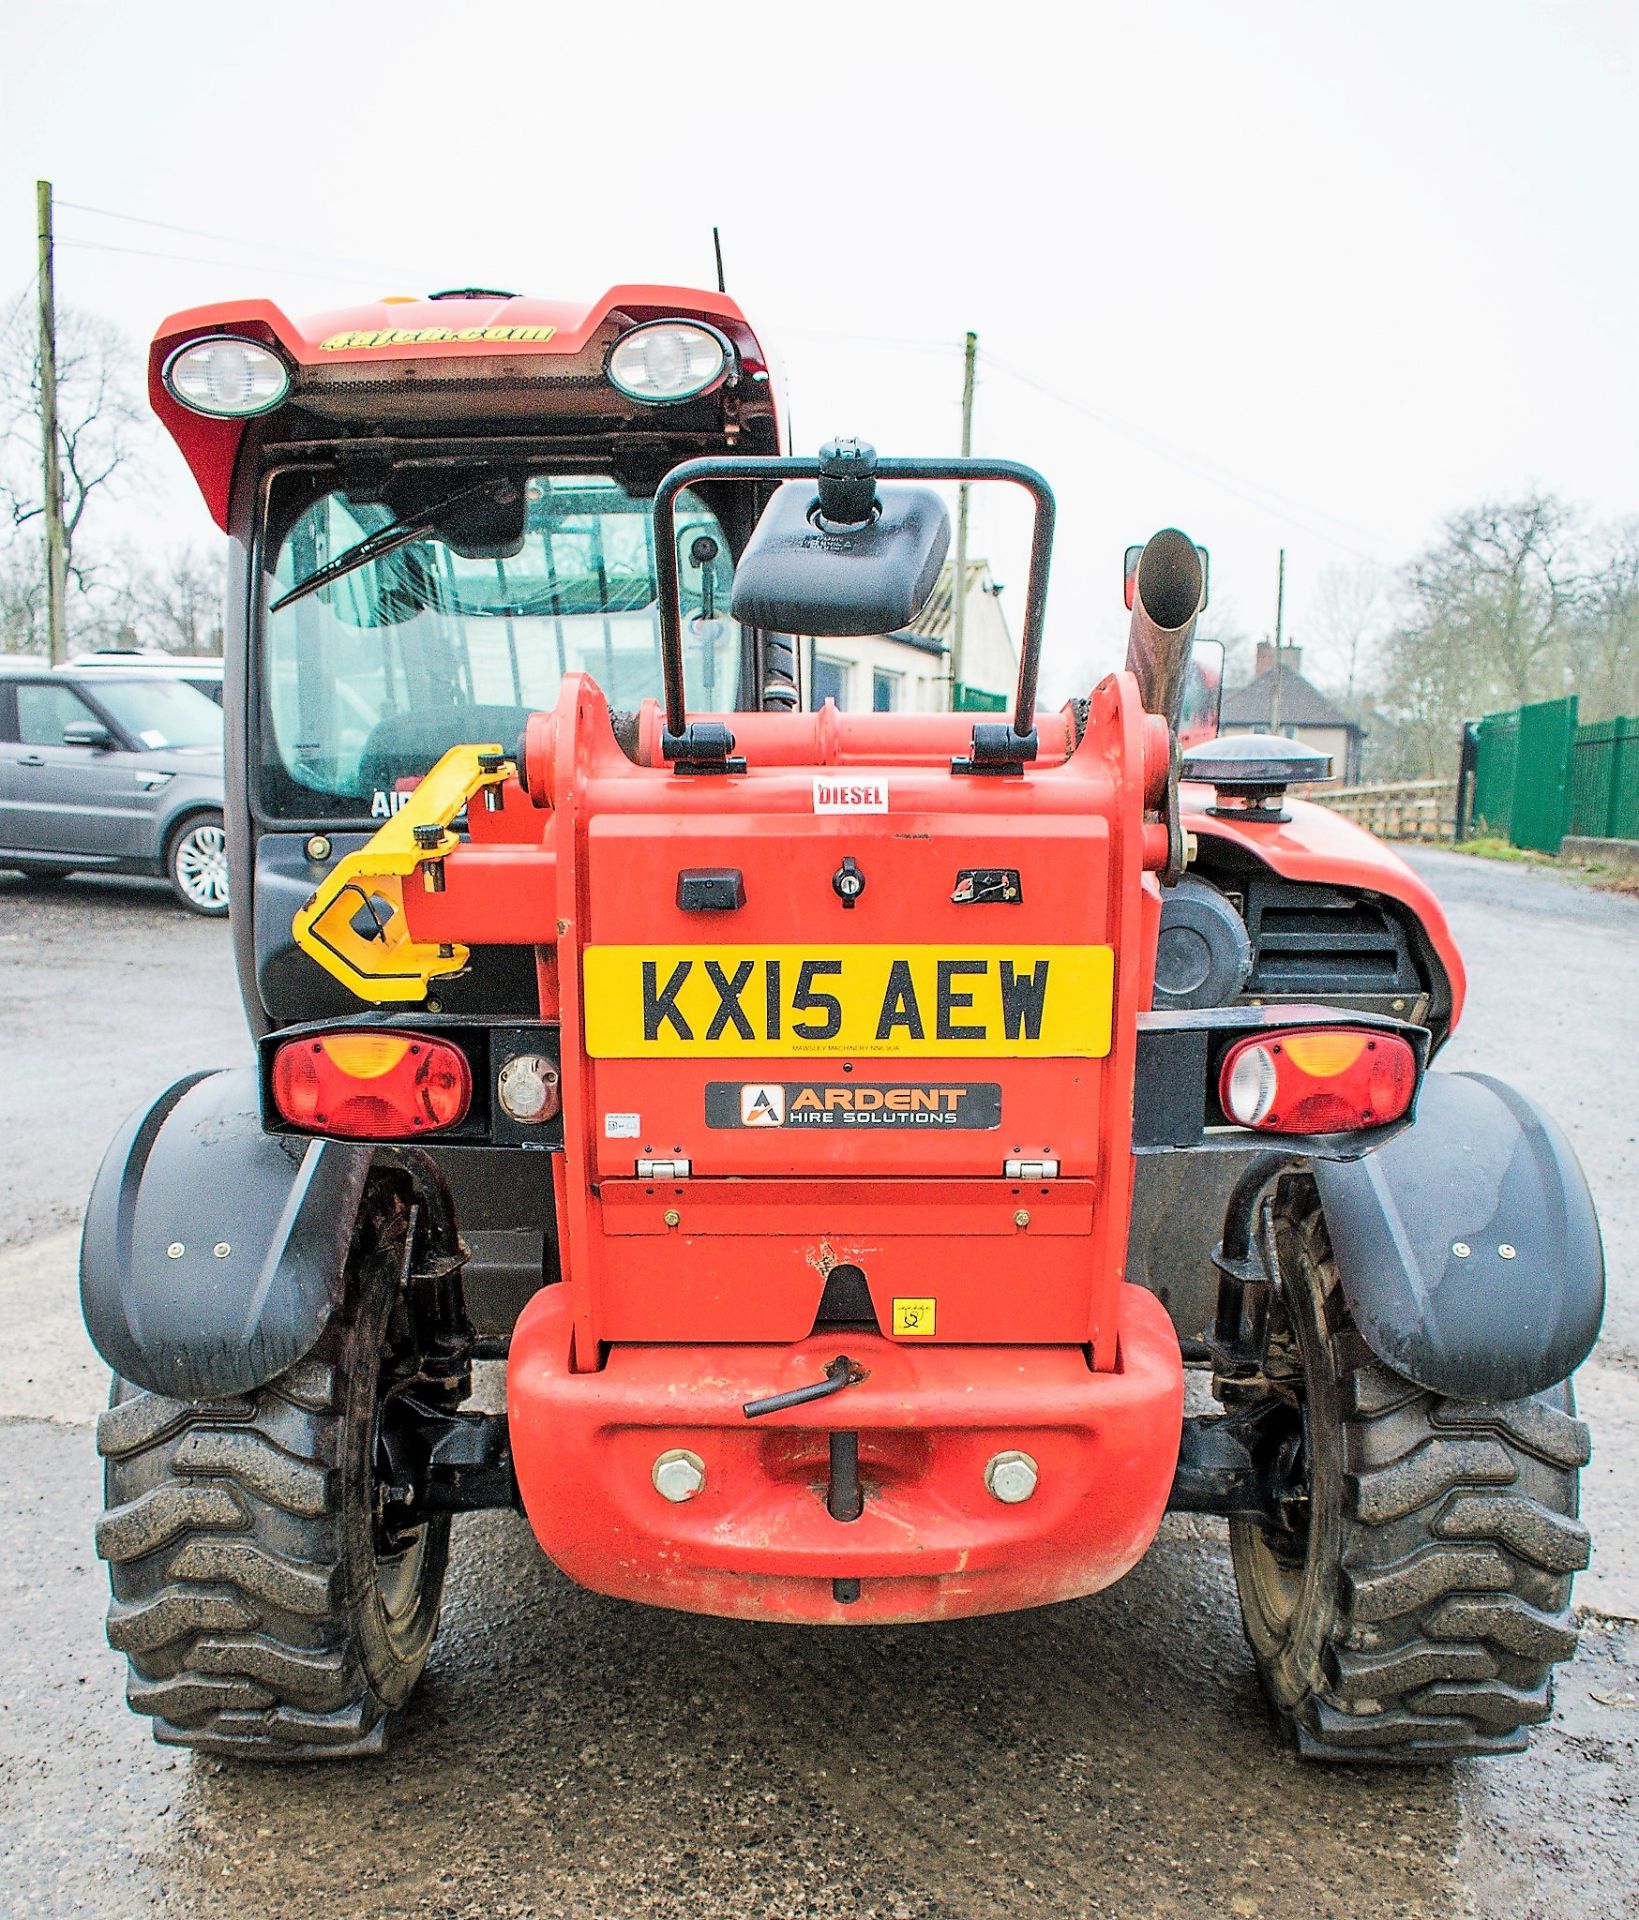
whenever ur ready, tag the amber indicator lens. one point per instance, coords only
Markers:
(1317, 1080)
(371, 1086)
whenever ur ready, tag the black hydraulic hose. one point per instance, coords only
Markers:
(841, 1373)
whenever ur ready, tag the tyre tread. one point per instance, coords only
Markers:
(232, 1598)
(1460, 1532)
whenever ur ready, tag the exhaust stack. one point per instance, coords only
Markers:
(1168, 590)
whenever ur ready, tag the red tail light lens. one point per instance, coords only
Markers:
(1317, 1080)
(371, 1086)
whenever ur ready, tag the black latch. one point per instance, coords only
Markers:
(997, 749)
(704, 746)
(711, 889)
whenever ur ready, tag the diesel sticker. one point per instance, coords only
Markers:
(850, 793)
(970, 1106)
(1008, 1002)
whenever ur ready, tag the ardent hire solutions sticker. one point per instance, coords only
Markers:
(622, 1126)
(968, 1106)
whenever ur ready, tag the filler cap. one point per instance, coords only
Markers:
(1250, 772)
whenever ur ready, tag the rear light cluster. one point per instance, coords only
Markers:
(371, 1086)
(1317, 1080)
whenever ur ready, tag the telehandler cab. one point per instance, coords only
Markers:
(848, 1127)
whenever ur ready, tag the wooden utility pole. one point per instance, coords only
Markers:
(1280, 615)
(959, 577)
(56, 553)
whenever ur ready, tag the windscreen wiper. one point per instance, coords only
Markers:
(397, 533)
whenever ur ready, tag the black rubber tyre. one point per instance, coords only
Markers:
(1417, 1609)
(196, 864)
(252, 1596)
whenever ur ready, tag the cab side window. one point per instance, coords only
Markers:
(44, 710)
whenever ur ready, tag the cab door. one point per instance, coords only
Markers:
(74, 801)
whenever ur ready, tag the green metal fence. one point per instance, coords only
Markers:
(1538, 776)
(1495, 762)
(1605, 780)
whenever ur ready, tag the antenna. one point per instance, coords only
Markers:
(717, 248)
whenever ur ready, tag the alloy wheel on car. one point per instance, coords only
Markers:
(199, 866)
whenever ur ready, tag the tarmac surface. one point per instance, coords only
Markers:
(574, 1756)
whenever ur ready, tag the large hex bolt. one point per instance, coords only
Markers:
(1011, 1477)
(678, 1475)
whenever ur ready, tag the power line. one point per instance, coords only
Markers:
(195, 259)
(230, 239)
(952, 347)
(1240, 486)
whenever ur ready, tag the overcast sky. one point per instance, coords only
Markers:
(1310, 275)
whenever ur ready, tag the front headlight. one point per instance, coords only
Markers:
(664, 361)
(226, 377)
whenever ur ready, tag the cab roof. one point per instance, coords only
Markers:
(412, 334)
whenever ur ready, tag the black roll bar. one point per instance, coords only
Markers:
(794, 467)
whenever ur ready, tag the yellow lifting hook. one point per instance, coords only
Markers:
(354, 924)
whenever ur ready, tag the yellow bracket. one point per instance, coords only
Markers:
(383, 963)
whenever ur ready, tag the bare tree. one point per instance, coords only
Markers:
(22, 598)
(1222, 622)
(1485, 620)
(100, 426)
(1347, 619)
(177, 603)
(1604, 638)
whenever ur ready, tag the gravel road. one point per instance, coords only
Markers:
(574, 1756)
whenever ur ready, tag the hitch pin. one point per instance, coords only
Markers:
(841, 1373)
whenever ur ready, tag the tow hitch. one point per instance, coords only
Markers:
(844, 1496)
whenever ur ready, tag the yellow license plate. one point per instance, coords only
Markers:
(705, 1002)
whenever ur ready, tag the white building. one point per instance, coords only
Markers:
(909, 671)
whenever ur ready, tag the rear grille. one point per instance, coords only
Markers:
(1316, 942)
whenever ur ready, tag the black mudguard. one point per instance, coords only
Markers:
(1468, 1247)
(213, 1253)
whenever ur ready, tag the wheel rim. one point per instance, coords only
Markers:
(201, 867)
(398, 1581)
(1279, 1561)
(400, 1543)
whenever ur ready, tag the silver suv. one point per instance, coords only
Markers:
(119, 771)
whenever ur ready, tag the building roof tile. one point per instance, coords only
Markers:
(1301, 704)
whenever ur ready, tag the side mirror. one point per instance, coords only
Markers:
(842, 557)
(88, 733)
(1199, 716)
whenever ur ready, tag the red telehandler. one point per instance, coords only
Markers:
(847, 1126)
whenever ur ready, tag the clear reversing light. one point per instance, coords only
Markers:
(527, 1089)
(371, 1086)
(664, 361)
(227, 377)
(1317, 1080)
